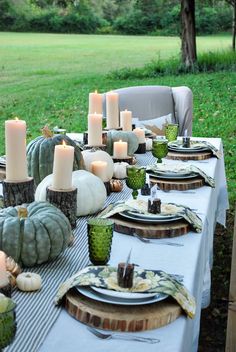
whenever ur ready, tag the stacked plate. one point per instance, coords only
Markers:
(171, 175)
(2, 161)
(120, 298)
(176, 146)
(149, 218)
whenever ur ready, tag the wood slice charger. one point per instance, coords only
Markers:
(177, 184)
(121, 318)
(158, 230)
(189, 156)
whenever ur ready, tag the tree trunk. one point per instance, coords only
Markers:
(234, 25)
(188, 48)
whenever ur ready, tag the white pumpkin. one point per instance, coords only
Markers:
(120, 170)
(28, 282)
(98, 155)
(91, 194)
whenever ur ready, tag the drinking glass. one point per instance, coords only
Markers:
(171, 131)
(100, 232)
(136, 178)
(7, 324)
(159, 149)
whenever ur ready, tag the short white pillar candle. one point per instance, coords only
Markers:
(62, 167)
(16, 161)
(3, 273)
(112, 110)
(140, 134)
(95, 129)
(126, 120)
(148, 144)
(95, 103)
(120, 149)
(99, 168)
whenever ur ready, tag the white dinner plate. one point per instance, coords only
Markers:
(172, 175)
(177, 147)
(152, 218)
(90, 293)
(124, 295)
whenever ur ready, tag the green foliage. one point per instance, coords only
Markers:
(207, 62)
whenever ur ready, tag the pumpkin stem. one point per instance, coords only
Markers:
(47, 133)
(22, 212)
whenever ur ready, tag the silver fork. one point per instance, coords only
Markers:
(106, 336)
(165, 243)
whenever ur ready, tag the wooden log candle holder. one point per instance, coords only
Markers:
(66, 201)
(108, 187)
(131, 160)
(141, 148)
(16, 193)
(104, 138)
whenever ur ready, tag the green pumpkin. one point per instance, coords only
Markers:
(40, 154)
(34, 234)
(129, 137)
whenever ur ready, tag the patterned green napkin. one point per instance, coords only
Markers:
(140, 205)
(178, 168)
(144, 281)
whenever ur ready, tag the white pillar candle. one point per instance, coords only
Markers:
(126, 120)
(120, 150)
(140, 134)
(3, 273)
(148, 144)
(15, 139)
(99, 168)
(62, 167)
(95, 103)
(94, 129)
(112, 110)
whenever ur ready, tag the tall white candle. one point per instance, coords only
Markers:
(112, 110)
(62, 167)
(126, 120)
(3, 273)
(99, 168)
(120, 150)
(140, 134)
(95, 103)
(15, 139)
(94, 129)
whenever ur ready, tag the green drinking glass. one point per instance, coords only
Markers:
(171, 131)
(100, 232)
(159, 149)
(7, 321)
(136, 178)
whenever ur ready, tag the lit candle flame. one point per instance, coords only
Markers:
(120, 140)
(63, 143)
(96, 91)
(16, 118)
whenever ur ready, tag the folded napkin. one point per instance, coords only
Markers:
(140, 205)
(180, 168)
(144, 281)
(196, 144)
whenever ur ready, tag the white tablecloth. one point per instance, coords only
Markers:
(194, 261)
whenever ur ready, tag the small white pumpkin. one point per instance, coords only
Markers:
(91, 194)
(120, 170)
(28, 282)
(98, 155)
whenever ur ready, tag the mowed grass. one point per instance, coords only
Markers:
(46, 78)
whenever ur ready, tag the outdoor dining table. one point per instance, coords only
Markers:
(44, 327)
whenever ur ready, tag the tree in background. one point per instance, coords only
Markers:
(188, 33)
(233, 4)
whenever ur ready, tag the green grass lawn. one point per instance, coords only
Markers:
(46, 78)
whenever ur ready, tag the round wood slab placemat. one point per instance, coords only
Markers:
(162, 230)
(189, 156)
(179, 185)
(121, 318)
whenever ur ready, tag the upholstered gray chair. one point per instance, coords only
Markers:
(149, 102)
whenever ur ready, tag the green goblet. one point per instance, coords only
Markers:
(159, 149)
(7, 321)
(136, 178)
(171, 131)
(100, 232)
